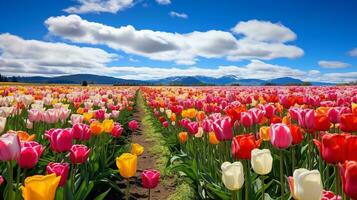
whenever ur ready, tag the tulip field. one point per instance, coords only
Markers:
(269, 142)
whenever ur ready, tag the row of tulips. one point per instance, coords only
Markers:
(253, 143)
(61, 142)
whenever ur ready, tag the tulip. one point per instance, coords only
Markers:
(108, 125)
(76, 119)
(150, 179)
(223, 129)
(246, 119)
(81, 132)
(133, 125)
(136, 149)
(334, 114)
(35, 115)
(348, 172)
(51, 116)
(2, 124)
(60, 139)
(348, 122)
(322, 122)
(242, 146)
(262, 161)
(79, 153)
(60, 169)
(329, 195)
(40, 187)
(306, 185)
(1, 180)
(192, 127)
(96, 128)
(30, 154)
(99, 114)
(9, 146)
(127, 164)
(232, 175)
(296, 134)
(349, 148)
(23, 136)
(183, 136)
(87, 116)
(332, 147)
(264, 133)
(280, 136)
(212, 138)
(117, 130)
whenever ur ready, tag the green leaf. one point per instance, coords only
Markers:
(103, 195)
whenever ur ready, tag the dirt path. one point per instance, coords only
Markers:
(149, 159)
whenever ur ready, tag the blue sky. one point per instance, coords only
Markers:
(148, 39)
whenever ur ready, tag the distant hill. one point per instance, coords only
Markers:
(176, 80)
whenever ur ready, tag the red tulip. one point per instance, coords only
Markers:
(150, 178)
(322, 123)
(348, 122)
(280, 136)
(81, 132)
(30, 154)
(60, 139)
(349, 178)
(9, 146)
(329, 195)
(332, 147)
(296, 133)
(223, 129)
(60, 169)
(79, 153)
(117, 130)
(242, 146)
(133, 125)
(269, 110)
(350, 148)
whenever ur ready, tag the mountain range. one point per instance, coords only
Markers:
(176, 80)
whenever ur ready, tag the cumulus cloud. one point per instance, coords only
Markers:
(163, 2)
(353, 52)
(179, 15)
(97, 6)
(25, 57)
(332, 64)
(184, 48)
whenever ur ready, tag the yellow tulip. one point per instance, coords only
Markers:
(87, 116)
(354, 108)
(40, 187)
(264, 133)
(96, 128)
(108, 125)
(137, 149)
(127, 164)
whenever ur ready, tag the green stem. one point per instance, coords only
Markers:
(293, 162)
(337, 180)
(10, 183)
(149, 193)
(282, 182)
(234, 194)
(73, 177)
(263, 187)
(17, 180)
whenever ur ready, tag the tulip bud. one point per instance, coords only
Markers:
(30, 154)
(261, 161)
(150, 178)
(60, 139)
(117, 130)
(232, 175)
(127, 164)
(280, 136)
(133, 125)
(183, 136)
(60, 169)
(306, 185)
(137, 149)
(9, 146)
(79, 153)
(81, 132)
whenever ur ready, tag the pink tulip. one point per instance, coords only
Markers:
(79, 153)
(280, 136)
(9, 146)
(51, 116)
(150, 178)
(99, 114)
(207, 125)
(334, 114)
(60, 169)
(192, 127)
(115, 114)
(117, 130)
(76, 119)
(185, 122)
(35, 115)
(64, 114)
(257, 115)
(133, 125)
(246, 119)
(223, 129)
(30, 154)
(165, 124)
(81, 132)
(1, 180)
(60, 139)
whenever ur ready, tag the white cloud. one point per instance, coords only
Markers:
(25, 57)
(353, 52)
(179, 15)
(167, 46)
(133, 60)
(97, 6)
(333, 64)
(264, 31)
(163, 2)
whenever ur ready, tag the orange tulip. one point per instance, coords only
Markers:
(354, 108)
(183, 136)
(25, 136)
(80, 110)
(264, 133)
(212, 138)
(200, 116)
(96, 128)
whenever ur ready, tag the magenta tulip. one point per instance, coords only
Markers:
(133, 125)
(81, 132)
(30, 154)
(9, 146)
(192, 127)
(60, 139)
(79, 153)
(246, 119)
(150, 178)
(60, 169)
(223, 129)
(117, 130)
(280, 136)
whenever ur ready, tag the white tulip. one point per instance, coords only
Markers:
(261, 161)
(307, 184)
(2, 124)
(232, 175)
